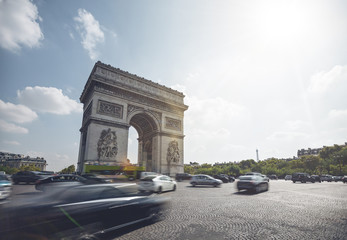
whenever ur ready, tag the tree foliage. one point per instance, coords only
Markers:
(69, 169)
(331, 160)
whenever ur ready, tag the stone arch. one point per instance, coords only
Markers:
(113, 100)
(147, 127)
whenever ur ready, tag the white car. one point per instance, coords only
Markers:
(157, 184)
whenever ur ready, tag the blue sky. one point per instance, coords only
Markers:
(267, 75)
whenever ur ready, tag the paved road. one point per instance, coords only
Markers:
(286, 211)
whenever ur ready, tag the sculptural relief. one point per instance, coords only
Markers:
(107, 145)
(173, 154)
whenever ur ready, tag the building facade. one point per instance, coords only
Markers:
(13, 160)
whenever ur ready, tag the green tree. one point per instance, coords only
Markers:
(69, 169)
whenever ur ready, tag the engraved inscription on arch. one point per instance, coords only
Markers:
(111, 109)
(173, 124)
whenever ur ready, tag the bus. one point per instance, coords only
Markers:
(115, 173)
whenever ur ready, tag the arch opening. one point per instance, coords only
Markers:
(146, 128)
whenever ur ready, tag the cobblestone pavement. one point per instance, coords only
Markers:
(286, 211)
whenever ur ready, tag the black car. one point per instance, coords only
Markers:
(28, 176)
(78, 212)
(183, 176)
(255, 183)
(316, 178)
(53, 181)
(273, 177)
(302, 177)
(225, 179)
(344, 179)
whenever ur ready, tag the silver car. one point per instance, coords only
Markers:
(5, 187)
(202, 179)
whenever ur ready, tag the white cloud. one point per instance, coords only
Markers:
(16, 113)
(324, 81)
(11, 128)
(289, 136)
(90, 32)
(48, 99)
(11, 143)
(338, 113)
(19, 26)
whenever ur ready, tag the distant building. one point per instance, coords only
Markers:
(313, 151)
(13, 160)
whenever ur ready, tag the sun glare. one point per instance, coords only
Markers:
(284, 23)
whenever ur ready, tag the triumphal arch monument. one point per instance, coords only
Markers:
(115, 100)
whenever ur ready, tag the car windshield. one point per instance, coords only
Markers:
(247, 177)
(3, 177)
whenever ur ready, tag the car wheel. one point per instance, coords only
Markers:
(160, 190)
(257, 188)
(193, 184)
(293, 181)
(174, 188)
(266, 187)
(88, 237)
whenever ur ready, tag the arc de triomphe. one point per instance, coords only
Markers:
(113, 101)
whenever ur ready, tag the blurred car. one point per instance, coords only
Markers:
(221, 177)
(54, 181)
(92, 178)
(145, 174)
(302, 177)
(273, 177)
(338, 178)
(266, 178)
(327, 178)
(254, 183)
(231, 179)
(316, 178)
(183, 176)
(78, 212)
(344, 179)
(288, 177)
(202, 179)
(153, 183)
(28, 176)
(253, 173)
(5, 187)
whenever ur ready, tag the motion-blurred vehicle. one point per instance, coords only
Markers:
(327, 178)
(254, 183)
(316, 178)
(338, 178)
(344, 179)
(5, 187)
(54, 181)
(202, 179)
(288, 177)
(183, 176)
(159, 184)
(28, 176)
(266, 178)
(253, 173)
(145, 174)
(273, 177)
(223, 178)
(93, 178)
(78, 212)
(302, 177)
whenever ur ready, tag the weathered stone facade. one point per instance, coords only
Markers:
(113, 101)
